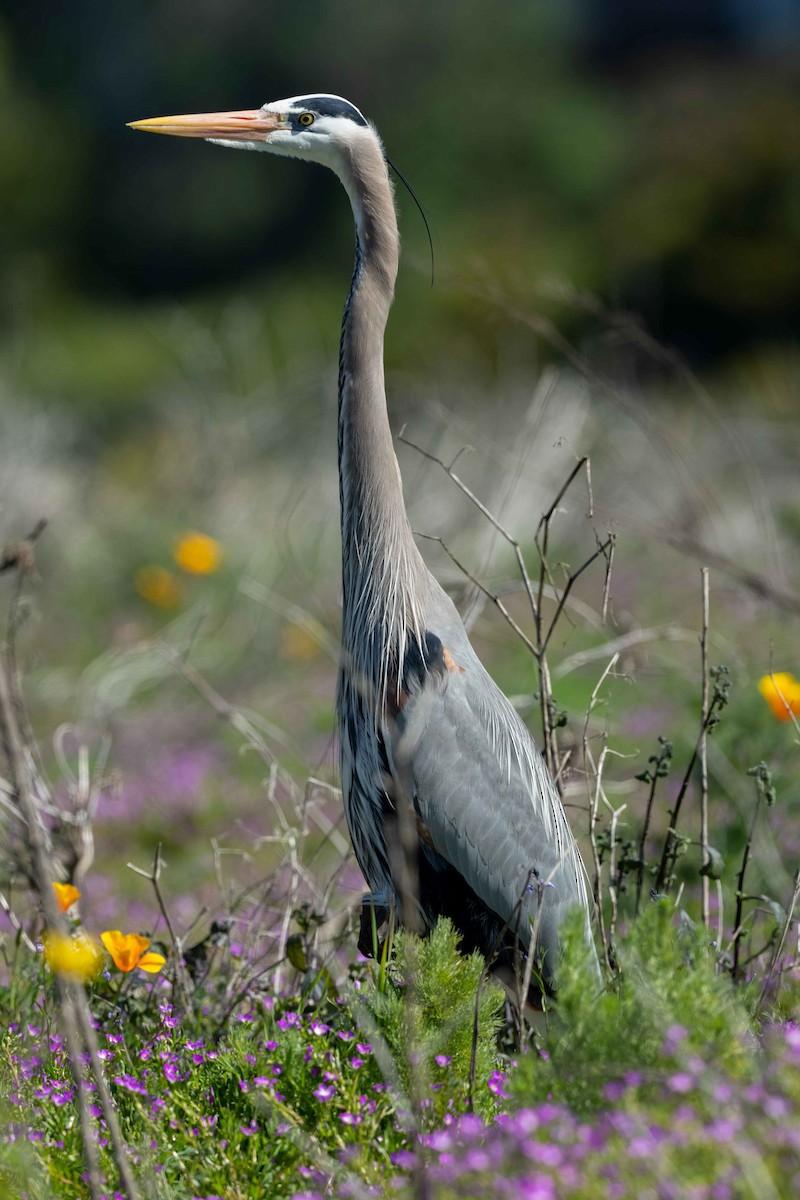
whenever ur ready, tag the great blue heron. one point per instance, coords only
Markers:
(420, 720)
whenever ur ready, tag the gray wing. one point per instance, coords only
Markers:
(483, 793)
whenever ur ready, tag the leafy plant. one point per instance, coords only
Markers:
(668, 1001)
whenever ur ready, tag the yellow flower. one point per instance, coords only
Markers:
(66, 895)
(782, 693)
(297, 644)
(198, 554)
(78, 956)
(129, 950)
(158, 586)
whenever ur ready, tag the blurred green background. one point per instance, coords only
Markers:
(170, 315)
(646, 151)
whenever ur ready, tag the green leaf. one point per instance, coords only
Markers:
(714, 866)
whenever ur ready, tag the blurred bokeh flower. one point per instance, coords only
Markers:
(782, 693)
(159, 586)
(66, 895)
(130, 950)
(78, 956)
(297, 644)
(198, 554)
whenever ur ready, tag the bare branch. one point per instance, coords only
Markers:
(490, 595)
(73, 1008)
(182, 981)
(601, 550)
(512, 541)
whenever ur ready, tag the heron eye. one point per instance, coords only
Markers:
(306, 119)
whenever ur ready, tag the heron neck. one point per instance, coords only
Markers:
(383, 573)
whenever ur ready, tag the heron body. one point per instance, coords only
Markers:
(421, 723)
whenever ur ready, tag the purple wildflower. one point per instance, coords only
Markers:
(172, 1072)
(131, 1084)
(495, 1084)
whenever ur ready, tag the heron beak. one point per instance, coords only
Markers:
(248, 125)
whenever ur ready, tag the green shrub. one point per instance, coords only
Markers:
(668, 1001)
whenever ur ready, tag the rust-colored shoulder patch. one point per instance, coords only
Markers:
(450, 662)
(424, 833)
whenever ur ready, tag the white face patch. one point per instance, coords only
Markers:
(337, 124)
(331, 139)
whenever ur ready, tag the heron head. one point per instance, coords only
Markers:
(314, 127)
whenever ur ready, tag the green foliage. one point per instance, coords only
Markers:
(22, 1172)
(764, 783)
(428, 1010)
(660, 763)
(282, 1092)
(639, 1083)
(668, 982)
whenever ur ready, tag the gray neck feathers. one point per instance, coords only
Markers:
(382, 571)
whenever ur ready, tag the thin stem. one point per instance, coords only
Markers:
(740, 894)
(69, 1025)
(527, 974)
(89, 1036)
(594, 804)
(704, 880)
(778, 951)
(613, 890)
(182, 980)
(671, 839)
(547, 517)
(607, 580)
(549, 738)
(659, 763)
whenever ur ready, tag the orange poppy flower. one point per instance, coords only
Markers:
(66, 895)
(782, 693)
(129, 950)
